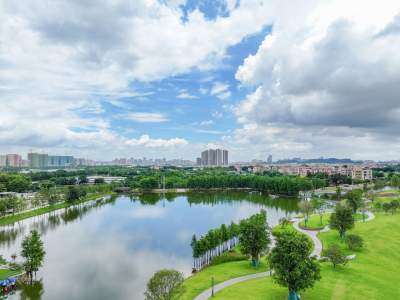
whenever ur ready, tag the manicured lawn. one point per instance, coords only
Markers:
(40, 211)
(374, 274)
(8, 273)
(314, 221)
(201, 281)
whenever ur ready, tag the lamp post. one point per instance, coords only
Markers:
(212, 286)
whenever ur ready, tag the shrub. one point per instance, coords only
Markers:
(335, 255)
(354, 242)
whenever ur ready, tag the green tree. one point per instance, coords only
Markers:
(394, 205)
(19, 184)
(395, 181)
(33, 253)
(354, 241)
(342, 219)
(335, 255)
(73, 194)
(293, 267)
(318, 205)
(386, 206)
(306, 208)
(99, 180)
(338, 193)
(254, 236)
(165, 285)
(354, 199)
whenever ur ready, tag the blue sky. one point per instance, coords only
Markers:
(170, 78)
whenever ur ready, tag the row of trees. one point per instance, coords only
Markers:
(214, 243)
(10, 182)
(252, 234)
(286, 185)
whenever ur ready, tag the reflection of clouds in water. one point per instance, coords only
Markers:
(104, 269)
(148, 212)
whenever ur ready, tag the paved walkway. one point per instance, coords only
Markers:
(207, 294)
(313, 235)
(316, 252)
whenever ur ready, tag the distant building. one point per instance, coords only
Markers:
(60, 161)
(14, 160)
(3, 160)
(361, 173)
(198, 161)
(269, 159)
(214, 157)
(38, 160)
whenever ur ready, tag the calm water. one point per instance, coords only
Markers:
(109, 249)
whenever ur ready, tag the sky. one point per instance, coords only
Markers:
(158, 78)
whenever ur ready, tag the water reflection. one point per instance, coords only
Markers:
(108, 249)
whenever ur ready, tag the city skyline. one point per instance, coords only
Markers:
(171, 78)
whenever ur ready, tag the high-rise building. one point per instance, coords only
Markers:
(60, 161)
(269, 159)
(14, 160)
(3, 160)
(214, 157)
(198, 161)
(38, 160)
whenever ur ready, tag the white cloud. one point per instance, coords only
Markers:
(146, 117)
(206, 123)
(220, 90)
(146, 141)
(326, 82)
(186, 95)
(60, 59)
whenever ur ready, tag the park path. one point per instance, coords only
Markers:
(316, 252)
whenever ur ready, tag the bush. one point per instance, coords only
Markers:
(335, 255)
(354, 242)
(228, 257)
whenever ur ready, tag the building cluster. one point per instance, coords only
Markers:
(43, 161)
(11, 160)
(354, 171)
(213, 157)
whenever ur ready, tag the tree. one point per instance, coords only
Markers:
(306, 208)
(254, 236)
(394, 205)
(342, 219)
(99, 180)
(164, 285)
(354, 242)
(395, 181)
(33, 252)
(335, 255)
(82, 179)
(354, 199)
(318, 205)
(386, 206)
(284, 222)
(338, 193)
(293, 267)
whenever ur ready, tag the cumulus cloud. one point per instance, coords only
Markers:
(60, 60)
(326, 79)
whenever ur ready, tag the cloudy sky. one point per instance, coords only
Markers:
(118, 78)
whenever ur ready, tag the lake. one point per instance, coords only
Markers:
(109, 249)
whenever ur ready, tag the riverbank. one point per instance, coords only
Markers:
(6, 220)
(371, 275)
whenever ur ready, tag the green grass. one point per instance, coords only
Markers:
(314, 221)
(4, 274)
(201, 281)
(40, 211)
(372, 275)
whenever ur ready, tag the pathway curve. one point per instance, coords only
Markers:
(316, 252)
(313, 235)
(208, 293)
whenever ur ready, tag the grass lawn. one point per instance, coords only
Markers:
(4, 274)
(201, 281)
(40, 211)
(314, 221)
(372, 275)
